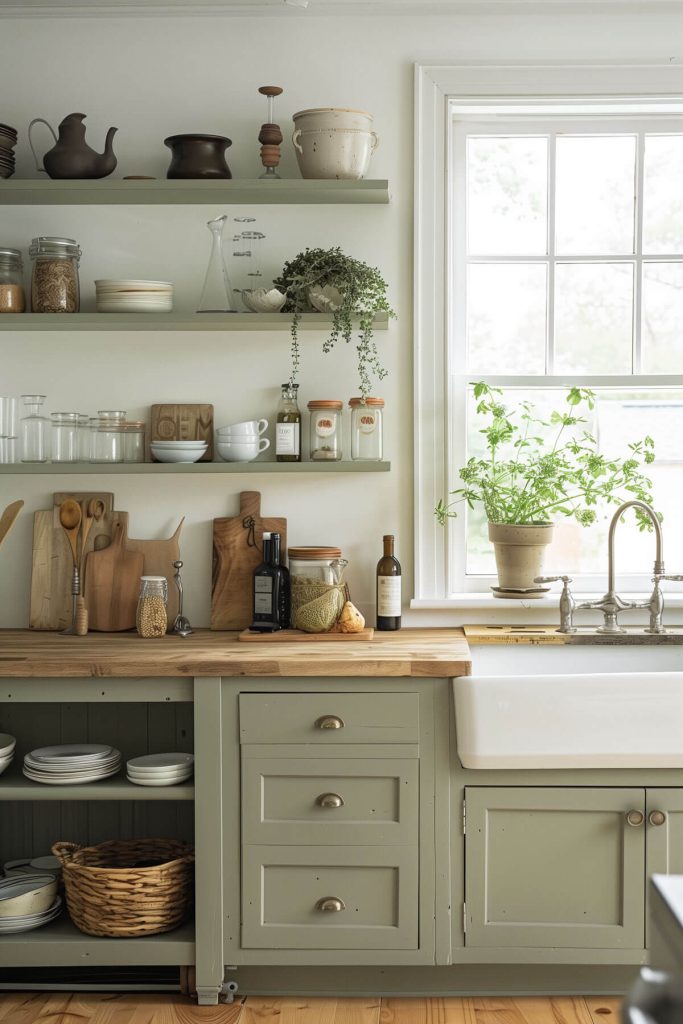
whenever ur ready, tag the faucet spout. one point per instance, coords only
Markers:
(659, 553)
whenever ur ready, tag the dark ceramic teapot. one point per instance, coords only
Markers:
(71, 156)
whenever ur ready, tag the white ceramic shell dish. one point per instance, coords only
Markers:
(263, 300)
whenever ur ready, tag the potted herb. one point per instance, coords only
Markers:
(536, 469)
(328, 281)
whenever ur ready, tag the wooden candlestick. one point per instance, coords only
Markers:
(270, 135)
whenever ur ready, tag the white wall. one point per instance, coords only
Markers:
(155, 76)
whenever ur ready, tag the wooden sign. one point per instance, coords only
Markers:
(183, 423)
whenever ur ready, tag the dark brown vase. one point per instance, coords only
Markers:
(198, 156)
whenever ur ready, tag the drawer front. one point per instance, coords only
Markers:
(329, 800)
(370, 893)
(329, 718)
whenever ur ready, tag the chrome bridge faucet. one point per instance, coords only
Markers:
(611, 604)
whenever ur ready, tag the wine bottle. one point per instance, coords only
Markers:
(271, 589)
(388, 588)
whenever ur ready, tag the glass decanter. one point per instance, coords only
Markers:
(217, 293)
(34, 430)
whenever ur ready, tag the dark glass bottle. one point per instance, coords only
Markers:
(288, 426)
(271, 589)
(388, 587)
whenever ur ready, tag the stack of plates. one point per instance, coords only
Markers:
(134, 296)
(7, 745)
(8, 140)
(72, 764)
(160, 769)
(178, 451)
(27, 922)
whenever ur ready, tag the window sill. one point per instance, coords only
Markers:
(549, 604)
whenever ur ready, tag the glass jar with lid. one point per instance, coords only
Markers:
(151, 619)
(35, 444)
(12, 295)
(321, 564)
(106, 438)
(325, 430)
(366, 429)
(54, 281)
(133, 440)
(317, 588)
(65, 437)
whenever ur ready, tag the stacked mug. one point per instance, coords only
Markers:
(242, 442)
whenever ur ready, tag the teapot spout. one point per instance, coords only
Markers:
(105, 162)
(108, 147)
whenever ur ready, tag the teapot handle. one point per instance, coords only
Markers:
(42, 120)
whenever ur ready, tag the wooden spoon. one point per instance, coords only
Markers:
(91, 512)
(70, 517)
(8, 517)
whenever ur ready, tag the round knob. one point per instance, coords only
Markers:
(330, 722)
(330, 904)
(635, 818)
(657, 817)
(330, 800)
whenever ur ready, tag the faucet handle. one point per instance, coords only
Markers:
(552, 579)
(672, 578)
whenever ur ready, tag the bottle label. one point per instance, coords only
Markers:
(287, 439)
(324, 426)
(367, 421)
(263, 595)
(389, 595)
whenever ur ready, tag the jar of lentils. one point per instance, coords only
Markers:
(151, 617)
(54, 281)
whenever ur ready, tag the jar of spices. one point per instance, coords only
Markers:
(366, 429)
(151, 619)
(12, 295)
(133, 440)
(65, 439)
(325, 430)
(54, 282)
(106, 439)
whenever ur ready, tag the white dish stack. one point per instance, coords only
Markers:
(134, 296)
(178, 451)
(160, 769)
(72, 764)
(7, 745)
(27, 902)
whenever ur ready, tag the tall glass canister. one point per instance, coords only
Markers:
(34, 430)
(366, 429)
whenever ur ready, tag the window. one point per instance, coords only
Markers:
(560, 262)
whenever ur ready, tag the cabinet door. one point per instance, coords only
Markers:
(554, 867)
(664, 838)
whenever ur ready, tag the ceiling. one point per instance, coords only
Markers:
(351, 8)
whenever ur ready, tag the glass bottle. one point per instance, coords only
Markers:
(217, 293)
(271, 589)
(12, 295)
(151, 619)
(34, 431)
(288, 428)
(388, 588)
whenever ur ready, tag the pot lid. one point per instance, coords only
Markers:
(325, 403)
(378, 402)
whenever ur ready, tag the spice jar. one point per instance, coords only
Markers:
(106, 437)
(133, 440)
(65, 437)
(54, 282)
(151, 619)
(325, 430)
(366, 429)
(12, 296)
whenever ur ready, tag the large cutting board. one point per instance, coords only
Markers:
(112, 584)
(234, 561)
(159, 556)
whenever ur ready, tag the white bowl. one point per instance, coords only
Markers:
(263, 300)
(27, 894)
(178, 455)
(179, 444)
(7, 744)
(177, 759)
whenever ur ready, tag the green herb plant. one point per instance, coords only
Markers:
(363, 293)
(529, 478)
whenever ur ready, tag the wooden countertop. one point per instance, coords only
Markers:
(409, 652)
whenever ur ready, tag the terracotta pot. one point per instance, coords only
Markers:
(519, 552)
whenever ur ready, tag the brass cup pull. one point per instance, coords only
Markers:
(330, 722)
(330, 904)
(635, 818)
(657, 817)
(330, 800)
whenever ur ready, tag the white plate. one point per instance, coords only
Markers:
(177, 769)
(155, 782)
(168, 774)
(105, 282)
(177, 759)
(179, 444)
(57, 780)
(7, 744)
(73, 750)
(71, 769)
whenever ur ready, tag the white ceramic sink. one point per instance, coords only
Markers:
(573, 716)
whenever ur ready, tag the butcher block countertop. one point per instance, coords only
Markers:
(423, 653)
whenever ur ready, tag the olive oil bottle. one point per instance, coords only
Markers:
(288, 426)
(388, 588)
(271, 589)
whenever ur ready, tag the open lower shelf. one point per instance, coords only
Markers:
(157, 468)
(171, 321)
(15, 786)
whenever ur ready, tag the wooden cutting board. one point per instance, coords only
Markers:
(112, 584)
(159, 556)
(52, 563)
(183, 423)
(514, 635)
(288, 635)
(234, 561)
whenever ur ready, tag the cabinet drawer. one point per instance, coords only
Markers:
(375, 889)
(329, 800)
(329, 718)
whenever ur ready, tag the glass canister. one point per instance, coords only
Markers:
(366, 429)
(83, 437)
(34, 430)
(317, 589)
(54, 281)
(106, 437)
(12, 295)
(325, 430)
(133, 440)
(65, 437)
(151, 618)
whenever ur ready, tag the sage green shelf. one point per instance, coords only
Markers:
(108, 191)
(15, 786)
(61, 944)
(156, 468)
(171, 321)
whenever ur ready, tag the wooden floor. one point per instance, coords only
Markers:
(107, 1008)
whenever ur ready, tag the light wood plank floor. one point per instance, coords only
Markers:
(133, 1008)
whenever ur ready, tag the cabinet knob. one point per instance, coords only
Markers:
(330, 903)
(657, 817)
(330, 800)
(635, 818)
(330, 722)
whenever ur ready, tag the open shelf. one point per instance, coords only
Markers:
(171, 322)
(116, 191)
(160, 468)
(15, 786)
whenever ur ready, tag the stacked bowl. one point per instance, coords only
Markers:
(242, 442)
(7, 745)
(134, 296)
(8, 140)
(178, 451)
(27, 902)
(160, 769)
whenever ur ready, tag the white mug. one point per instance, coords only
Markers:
(244, 451)
(249, 428)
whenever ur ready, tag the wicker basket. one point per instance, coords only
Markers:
(128, 887)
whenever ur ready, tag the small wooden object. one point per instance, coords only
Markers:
(112, 584)
(270, 135)
(289, 635)
(183, 423)
(81, 617)
(8, 517)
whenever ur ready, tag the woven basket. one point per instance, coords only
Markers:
(128, 887)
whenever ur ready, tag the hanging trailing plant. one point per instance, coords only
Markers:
(328, 281)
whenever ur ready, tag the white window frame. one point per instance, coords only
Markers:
(477, 91)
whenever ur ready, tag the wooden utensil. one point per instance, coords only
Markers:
(183, 423)
(8, 518)
(237, 544)
(92, 510)
(112, 583)
(70, 518)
